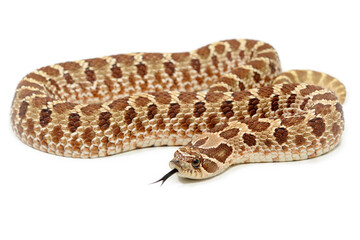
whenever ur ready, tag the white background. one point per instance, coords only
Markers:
(49, 197)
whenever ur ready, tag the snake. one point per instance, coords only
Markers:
(225, 103)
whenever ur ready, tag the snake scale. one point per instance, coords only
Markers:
(250, 111)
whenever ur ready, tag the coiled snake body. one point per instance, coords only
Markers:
(251, 112)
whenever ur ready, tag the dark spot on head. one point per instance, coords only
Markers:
(220, 153)
(219, 127)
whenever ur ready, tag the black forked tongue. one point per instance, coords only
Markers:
(164, 178)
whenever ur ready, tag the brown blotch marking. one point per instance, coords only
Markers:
(288, 88)
(299, 140)
(119, 104)
(226, 108)
(174, 109)
(265, 91)
(50, 71)
(152, 111)
(30, 127)
(96, 62)
(29, 84)
(54, 83)
(272, 67)
(242, 73)
(56, 134)
(88, 135)
(252, 107)
(322, 109)
(234, 44)
(230, 133)
(220, 153)
(45, 117)
(160, 124)
(281, 135)
(228, 81)
(257, 64)
(257, 77)
(213, 96)
(162, 97)
(229, 56)
(335, 129)
(323, 141)
(212, 120)
(270, 55)
(141, 101)
(275, 103)
(310, 89)
(291, 100)
(250, 44)
(185, 122)
(169, 68)
(264, 46)
(180, 57)
(130, 114)
(90, 75)
(242, 54)
(195, 64)
(37, 77)
(23, 109)
(70, 66)
(338, 108)
(117, 131)
(141, 69)
(41, 101)
(125, 59)
(291, 121)
(215, 61)
(68, 78)
(268, 142)
(104, 120)
(139, 126)
(220, 48)
(90, 109)
(116, 71)
(74, 122)
(209, 166)
(204, 52)
(318, 126)
(256, 126)
(240, 95)
(303, 104)
(199, 109)
(249, 139)
(200, 142)
(24, 92)
(187, 97)
(218, 89)
(219, 127)
(325, 96)
(63, 107)
(152, 57)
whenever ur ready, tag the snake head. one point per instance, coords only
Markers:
(191, 163)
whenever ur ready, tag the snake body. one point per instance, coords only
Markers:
(251, 112)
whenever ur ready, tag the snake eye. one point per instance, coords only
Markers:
(195, 163)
